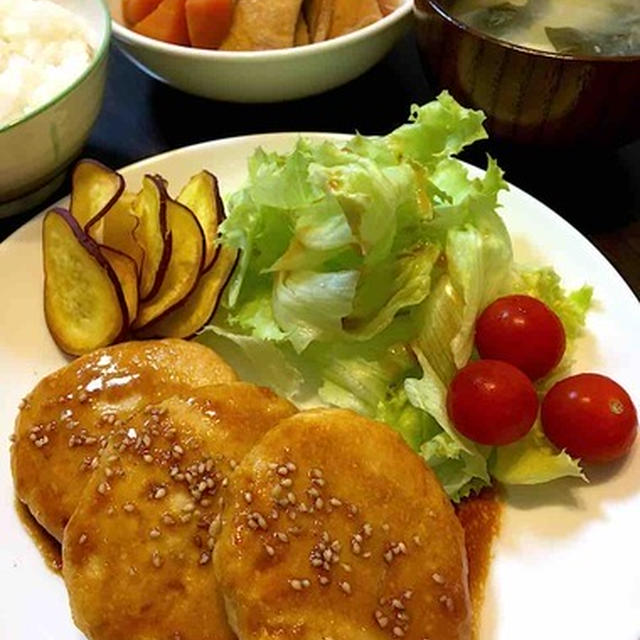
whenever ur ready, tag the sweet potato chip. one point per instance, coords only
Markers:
(187, 250)
(196, 310)
(84, 305)
(152, 234)
(127, 272)
(118, 228)
(94, 189)
(202, 196)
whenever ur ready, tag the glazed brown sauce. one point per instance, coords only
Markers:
(480, 519)
(47, 545)
(479, 516)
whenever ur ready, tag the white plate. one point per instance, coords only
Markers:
(567, 562)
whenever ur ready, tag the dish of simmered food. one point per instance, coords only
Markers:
(168, 476)
(250, 25)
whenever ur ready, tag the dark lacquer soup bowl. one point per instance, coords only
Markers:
(530, 96)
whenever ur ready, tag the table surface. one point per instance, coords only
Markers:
(598, 192)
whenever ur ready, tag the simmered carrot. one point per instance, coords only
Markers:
(135, 10)
(168, 23)
(208, 22)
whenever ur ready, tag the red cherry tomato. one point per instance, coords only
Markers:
(590, 416)
(522, 331)
(492, 402)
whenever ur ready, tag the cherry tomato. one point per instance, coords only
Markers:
(590, 416)
(522, 331)
(492, 402)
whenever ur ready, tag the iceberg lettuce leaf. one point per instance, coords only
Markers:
(437, 130)
(363, 268)
(386, 290)
(546, 285)
(310, 306)
(460, 472)
(414, 425)
(262, 361)
(533, 460)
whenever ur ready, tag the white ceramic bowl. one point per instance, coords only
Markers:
(36, 150)
(263, 76)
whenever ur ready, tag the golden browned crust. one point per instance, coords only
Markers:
(67, 417)
(338, 530)
(137, 550)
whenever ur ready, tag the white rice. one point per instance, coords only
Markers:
(43, 49)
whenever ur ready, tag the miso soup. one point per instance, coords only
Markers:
(577, 27)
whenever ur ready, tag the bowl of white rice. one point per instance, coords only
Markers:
(53, 56)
